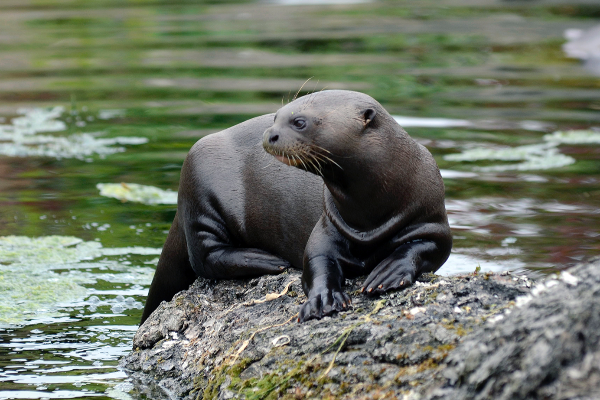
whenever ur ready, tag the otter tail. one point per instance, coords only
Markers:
(173, 272)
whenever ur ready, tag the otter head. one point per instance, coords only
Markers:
(318, 132)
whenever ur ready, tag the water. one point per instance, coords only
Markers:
(104, 98)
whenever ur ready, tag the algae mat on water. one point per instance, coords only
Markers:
(39, 277)
(537, 156)
(137, 193)
(21, 137)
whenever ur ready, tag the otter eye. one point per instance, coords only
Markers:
(299, 123)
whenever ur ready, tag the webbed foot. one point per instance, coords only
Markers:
(323, 302)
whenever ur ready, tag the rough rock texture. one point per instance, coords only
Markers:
(548, 347)
(443, 338)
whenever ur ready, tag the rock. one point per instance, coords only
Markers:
(548, 347)
(464, 337)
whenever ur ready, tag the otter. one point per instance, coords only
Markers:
(347, 193)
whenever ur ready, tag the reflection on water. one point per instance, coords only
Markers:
(80, 358)
(316, 2)
(100, 102)
(416, 122)
(461, 262)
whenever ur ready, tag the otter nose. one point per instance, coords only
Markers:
(273, 137)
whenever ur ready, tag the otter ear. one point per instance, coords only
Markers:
(368, 115)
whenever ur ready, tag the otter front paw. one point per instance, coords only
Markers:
(387, 277)
(323, 302)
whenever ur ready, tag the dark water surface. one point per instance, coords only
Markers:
(113, 91)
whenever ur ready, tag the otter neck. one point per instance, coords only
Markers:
(365, 237)
(364, 199)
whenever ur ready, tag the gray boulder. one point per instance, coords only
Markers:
(477, 336)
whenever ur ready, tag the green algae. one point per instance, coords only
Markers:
(538, 156)
(583, 136)
(58, 250)
(36, 294)
(39, 276)
(137, 193)
(79, 146)
(21, 137)
(274, 384)
(17, 250)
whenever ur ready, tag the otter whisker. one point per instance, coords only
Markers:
(270, 161)
(294, 158)
(315, 87)
(321, 148)
(330, 160)
(318, 166)
(323, 157)
(312, 97)
(268, 165)
(296, 95)
(264, 155)
(319, 160)
(310, 101)
(310, 161)
(305, 154)
(302, 161)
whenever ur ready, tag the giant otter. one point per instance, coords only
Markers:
(358, 196)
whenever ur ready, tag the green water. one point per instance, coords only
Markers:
(118, 91)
